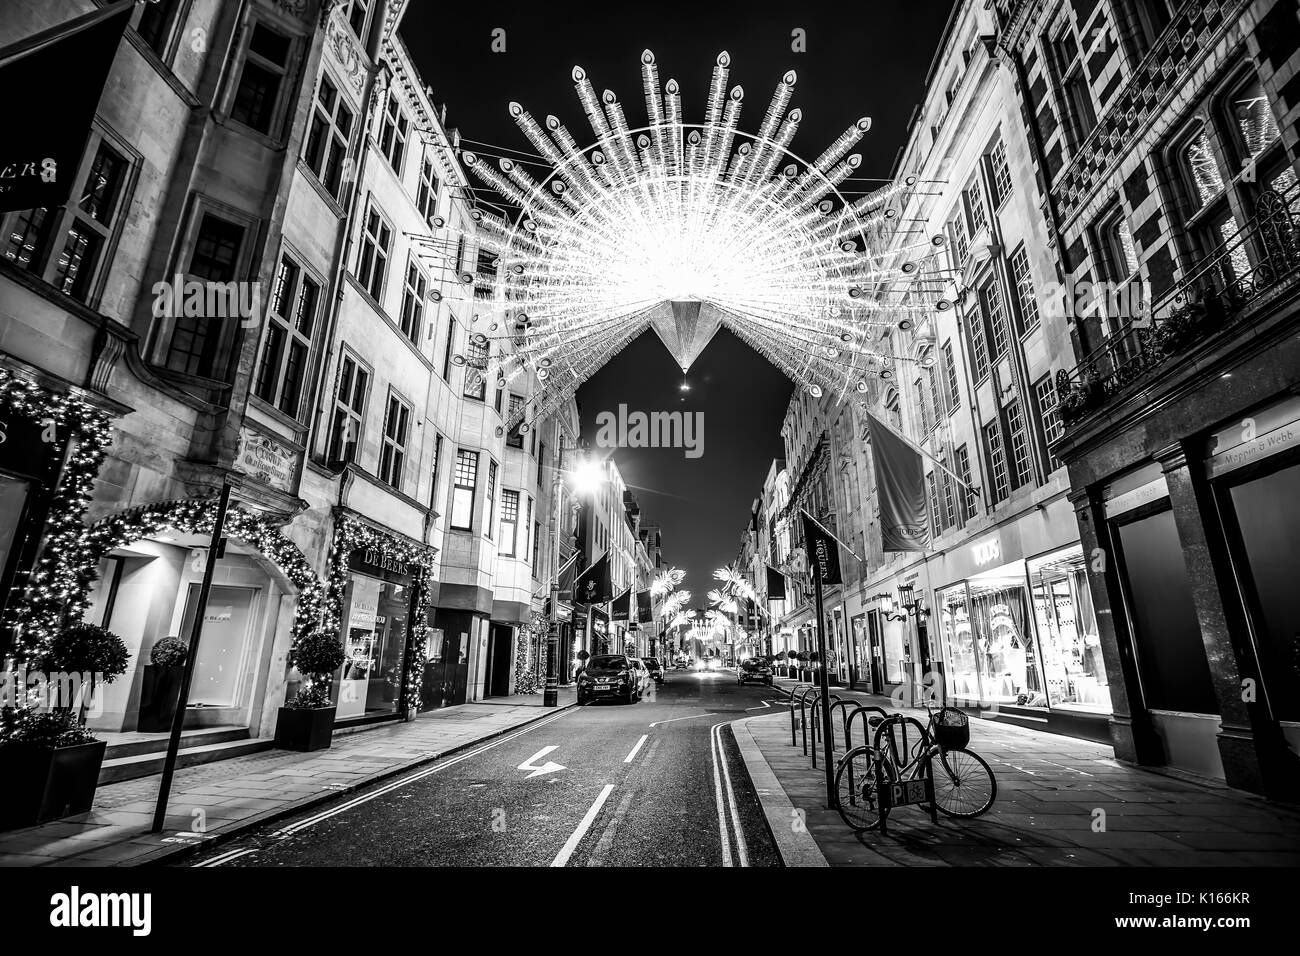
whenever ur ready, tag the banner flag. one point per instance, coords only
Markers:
(900, 490)
(823, 552)
(593, 585)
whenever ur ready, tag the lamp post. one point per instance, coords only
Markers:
(583, 477)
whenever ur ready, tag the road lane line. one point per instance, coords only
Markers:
(290, 830)
(639, 744)
(566, 851)
(718, 799)
(606, 842)
(225, 857)
(671, 719)
(741, 850)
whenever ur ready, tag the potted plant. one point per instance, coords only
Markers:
(160, 688)
(49, 762)
(306, 722)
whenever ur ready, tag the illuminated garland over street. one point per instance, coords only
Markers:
(55, 583)
(687, 227)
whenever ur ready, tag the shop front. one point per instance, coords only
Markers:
(1016, 634)
(374, 627)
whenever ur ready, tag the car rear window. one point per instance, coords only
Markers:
(652, 662)
(607, 660)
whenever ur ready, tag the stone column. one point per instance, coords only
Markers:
(1253, 751)
(1131, 731)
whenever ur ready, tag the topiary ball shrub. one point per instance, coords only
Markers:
(317, 656)
(169, 652)
(87, 649)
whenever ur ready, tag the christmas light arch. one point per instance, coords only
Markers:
(689, 227)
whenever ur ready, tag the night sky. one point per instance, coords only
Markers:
(863, 59)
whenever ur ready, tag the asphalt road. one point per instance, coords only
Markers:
(640, 785)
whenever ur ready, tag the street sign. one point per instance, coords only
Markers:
(904, 793)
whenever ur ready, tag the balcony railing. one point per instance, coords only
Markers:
(1258, 261)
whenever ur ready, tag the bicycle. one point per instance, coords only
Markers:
(964, 785)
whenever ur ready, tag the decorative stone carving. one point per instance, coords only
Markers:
(294, 8)
(344, 46)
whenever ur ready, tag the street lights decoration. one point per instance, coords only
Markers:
(688, 227)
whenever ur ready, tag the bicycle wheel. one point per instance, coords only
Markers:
(855, 788)
(964, 786)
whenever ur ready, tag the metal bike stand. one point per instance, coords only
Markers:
(900, 793)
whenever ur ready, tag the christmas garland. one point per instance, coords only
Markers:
(53, 583)
(195, 516)
(527, 678)
(351, 534)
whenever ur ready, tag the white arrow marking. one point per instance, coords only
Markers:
(548, 767)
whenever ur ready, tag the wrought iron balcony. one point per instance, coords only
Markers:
(1259, 263)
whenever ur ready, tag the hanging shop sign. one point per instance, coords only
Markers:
(1251, 438)
(267, 460)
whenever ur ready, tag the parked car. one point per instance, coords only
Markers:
(754, 669)
(610, 675)
(682, 663)
(655, 668)
(643, 680)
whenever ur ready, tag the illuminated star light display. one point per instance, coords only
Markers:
(687, 227)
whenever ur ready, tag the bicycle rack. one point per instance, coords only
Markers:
(816, 725)
(863, 709)
(803, 719)
(901, 792)
(793, 691)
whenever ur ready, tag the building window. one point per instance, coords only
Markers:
(968, 491)
(290, 320)
(995, 316)
(1025, 296)
(528, 523)
(427, 195)
(446, 355)
(1153, 16)
(413, 301)
(935, 518)
(490, 506)
(921, 406)
(960, 243)
(215, 257)
(476, 362)
(514, 439)
(997, 462)
(327, 142)
(1050, 416)
(357, 13)
(392, 454)
(462, 492)
(950, 375)
(1021, 459)
(1001, 169)
(372, 261)
(537, 546)
(950, 515)
(349, 411)
(266, 64)
(893, 410)
(510, 523)
(1076, 97)
(392, 134)
(979, 218)
(433, 472)
(157, 20)
(932, 392)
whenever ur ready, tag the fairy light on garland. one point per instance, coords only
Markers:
(350, 535)
(54, 585)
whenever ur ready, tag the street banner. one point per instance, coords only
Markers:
(900, 490)
(593, 585)
(622, 608)
(644, 608)
(823, 552)
(775, 584)
(52, 83)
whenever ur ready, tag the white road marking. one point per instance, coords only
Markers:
(225, 857)
(766, 703)
(606, 842)
(719, 801)
(741, 851)
(548, 767)
(566, 851)
(671, 719)
(639, 744)
(288, 831)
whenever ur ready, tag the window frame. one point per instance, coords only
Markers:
(285, 71)
(394, 440)
(394, 133)
(508, 542)
(290, 326)
(345, 412)
(460, 485)
(332, 161)
(411, 317)
(372, 262)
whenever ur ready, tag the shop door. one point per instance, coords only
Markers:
(873, 633)
(446, 675)
(222, 646)
(496, 682)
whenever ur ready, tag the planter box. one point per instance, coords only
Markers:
(45, 783)
(304, 730)
(160, 690)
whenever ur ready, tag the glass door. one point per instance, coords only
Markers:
(223, 646)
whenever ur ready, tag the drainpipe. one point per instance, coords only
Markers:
(349, 222)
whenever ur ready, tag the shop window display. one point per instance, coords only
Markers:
(1067, 628)
(374, 638)
(1004, 648)
(895, 648)
(959, 644)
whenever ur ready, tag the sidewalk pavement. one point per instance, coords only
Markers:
(233, 796)
(1061, 802)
